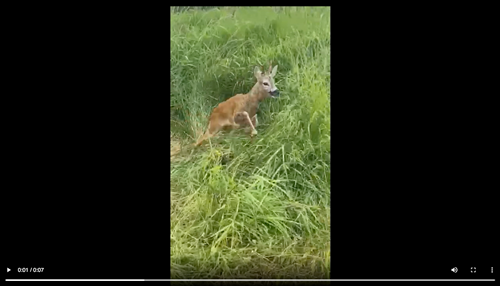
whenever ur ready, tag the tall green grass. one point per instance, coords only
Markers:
(260, 208)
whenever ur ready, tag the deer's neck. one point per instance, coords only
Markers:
(257, 93)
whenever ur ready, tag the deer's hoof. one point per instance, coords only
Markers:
(254, 132)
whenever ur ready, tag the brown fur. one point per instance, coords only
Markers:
(238, 111)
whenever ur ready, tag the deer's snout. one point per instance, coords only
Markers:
(275, 93)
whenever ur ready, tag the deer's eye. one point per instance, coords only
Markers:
(266, 83)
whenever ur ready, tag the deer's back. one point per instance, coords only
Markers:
(231, 106)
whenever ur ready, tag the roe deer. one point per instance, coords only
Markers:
(240, 110)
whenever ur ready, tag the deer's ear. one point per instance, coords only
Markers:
(257, 72)
(275, 70)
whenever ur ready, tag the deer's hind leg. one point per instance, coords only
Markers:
(211, 131)
(215, 126)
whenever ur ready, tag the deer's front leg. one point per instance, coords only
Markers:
(255, 121)
(245, 115)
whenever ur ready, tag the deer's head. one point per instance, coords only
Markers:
(266, 80)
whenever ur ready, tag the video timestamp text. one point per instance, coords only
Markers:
(30, 269)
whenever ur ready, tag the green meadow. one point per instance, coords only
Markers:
(244, 208)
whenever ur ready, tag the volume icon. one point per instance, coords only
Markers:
(454, 269)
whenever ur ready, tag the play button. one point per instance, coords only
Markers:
(8, 269)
